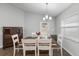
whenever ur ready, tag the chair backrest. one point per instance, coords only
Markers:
(28, 43)
(59, 39)
(45, 42)
(15, 39)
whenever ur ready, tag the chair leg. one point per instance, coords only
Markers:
(61, 52)
(18, 50)
(14, 52)
(35, 52)
(50, 52)
(24, 52)
(38, 52)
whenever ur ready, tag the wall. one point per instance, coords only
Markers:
(32, 24)
(10, 16)
(69, 22)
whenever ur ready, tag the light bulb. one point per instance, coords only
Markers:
(50, 18)
(46, 16)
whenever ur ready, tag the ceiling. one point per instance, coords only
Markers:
(53, 9)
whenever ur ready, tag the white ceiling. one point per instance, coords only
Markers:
(53, 8)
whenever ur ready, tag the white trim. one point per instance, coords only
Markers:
(1, 46)
(69, 52)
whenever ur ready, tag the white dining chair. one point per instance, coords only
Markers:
(16, 45)
(29, 45)
(44, 44)
(58, 45)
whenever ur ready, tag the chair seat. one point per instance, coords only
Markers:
(55, 46)
(44, 44)
(19, 46)
(43, 47)
(30, 48)
(29, 44)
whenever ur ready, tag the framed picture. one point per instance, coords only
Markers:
(44, 28)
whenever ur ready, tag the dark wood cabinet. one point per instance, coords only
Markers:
(7, 32)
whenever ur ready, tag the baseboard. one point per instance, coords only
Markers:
(1, 46)
(69, 52)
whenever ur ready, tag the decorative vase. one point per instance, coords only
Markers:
(38, 34)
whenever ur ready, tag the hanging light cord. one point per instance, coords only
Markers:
(46, 8)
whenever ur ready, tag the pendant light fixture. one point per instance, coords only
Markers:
(46, 17)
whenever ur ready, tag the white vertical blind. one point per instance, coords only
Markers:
(71, 27)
